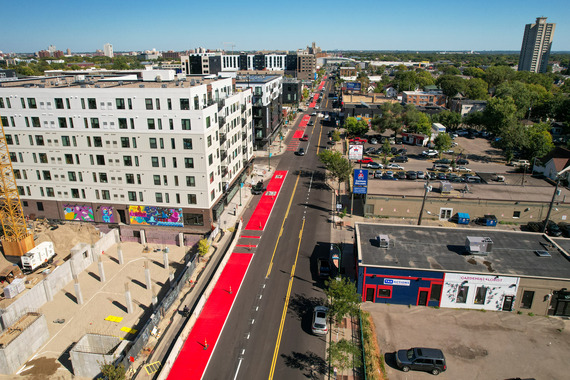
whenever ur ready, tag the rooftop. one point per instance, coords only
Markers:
(443, 249)
(255, 78)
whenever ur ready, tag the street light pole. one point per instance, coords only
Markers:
(551, 204)
(426, 190)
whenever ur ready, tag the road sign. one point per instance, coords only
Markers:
(339, 206)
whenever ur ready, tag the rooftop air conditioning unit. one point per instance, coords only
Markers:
(476, 245)
(383, 241)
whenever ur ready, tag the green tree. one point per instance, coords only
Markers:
(539, 140)
(112, 372)
(417, 122)
(120, 63)
(448, 118)
(336, 136)
(477, 89)
(498, 114)
(344, 355)
(474, 72)
(496, 75)
(337, 166)
(451, 85)
(342, 298)
(442, 142)
(355, 127)
(391, 118)
(203, 247)
(449, 70)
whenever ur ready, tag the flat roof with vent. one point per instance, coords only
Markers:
(443, 249)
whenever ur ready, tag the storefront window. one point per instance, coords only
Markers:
(462, 294)
(480, 295)
(384, 293)
(526, 302)
(435, 293)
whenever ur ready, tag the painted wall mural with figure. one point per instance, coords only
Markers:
(156, 216)
(78, 212)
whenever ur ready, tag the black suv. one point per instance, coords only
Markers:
(552, 228)
(257, 188)
(399, 159)
(421, 359)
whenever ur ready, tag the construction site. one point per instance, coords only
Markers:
(74, 297)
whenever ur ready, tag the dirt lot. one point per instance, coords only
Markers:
(477, 345)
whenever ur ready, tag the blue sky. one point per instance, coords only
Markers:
(130, 25)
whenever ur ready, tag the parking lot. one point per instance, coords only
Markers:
(476, 344)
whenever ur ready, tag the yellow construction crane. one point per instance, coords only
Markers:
(16, 239)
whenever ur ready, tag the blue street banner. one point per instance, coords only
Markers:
(360, 177)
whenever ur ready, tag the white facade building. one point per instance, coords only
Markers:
(108, 50)
(146, 150)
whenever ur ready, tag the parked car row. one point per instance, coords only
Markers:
(396, 175)
(453, 177)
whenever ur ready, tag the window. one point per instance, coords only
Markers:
(74, 193)
(192, 199)
(94, 122)
(150, 123)
(43, 158)
(127, 161)
(213, 194)
(435, 293)
(187, 143)
(130, 179)
(480, 295)
(13, 157)
(23, 104)
(154, 162)
(156, 179)
(36, 122)
(169, 102)
(158, 197)
(516, 214)
(185, 124)
(173, 143)
(462, 294)
(211, 177)
(4, 120)
(72, 176)
(148, 103)
(208, 123)
(157, 103)
(69, 159)
(40, 140)
(185, 104)
(526, 302)
(9, 140)
(120, 103)
(103, 177)
(106, 195)
(125, 142)
(152, 142)
(132, 196)
(210, 159)
(384, 293)
(100, 159)
(47, 175)
(122, 123)
(32, 103)
(59, 103)
(40, 205)
(130, 103)
(92, 103)
(65, 141)
(50, 192)
(189, 163)
(97, 142)
(190, 181)
(62, 122)
(209, 139)
(174, 162)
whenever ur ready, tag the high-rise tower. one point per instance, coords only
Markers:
(536, 44)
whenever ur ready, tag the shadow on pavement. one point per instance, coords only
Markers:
(390, 360)
(310, 363)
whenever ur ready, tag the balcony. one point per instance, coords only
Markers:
(223, 155)
(243, 136)
(221, 104)
(223, 138)
(243, 121)
(244, 149)
(225, 171)
(221, 120)
(243, 108)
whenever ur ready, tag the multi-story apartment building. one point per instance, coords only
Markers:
(266, 107)
(536, 44)
(422, 98)
(158, 154)
(292, 91)
(108, 50)
(306, 66)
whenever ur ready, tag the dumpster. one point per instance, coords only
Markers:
(462, 218)
(489, 220)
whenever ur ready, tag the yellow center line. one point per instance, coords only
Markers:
(320, 135)
(285, 306)
(282, 224)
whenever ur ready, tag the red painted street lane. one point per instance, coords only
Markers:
(298, 133)
(265, 205)
(322, 85)
(197, 350)
(304, 121)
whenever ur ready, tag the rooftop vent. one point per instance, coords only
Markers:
(383, 241)
(542, 253)
(476, 245)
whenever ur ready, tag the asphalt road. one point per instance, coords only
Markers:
(268, 334)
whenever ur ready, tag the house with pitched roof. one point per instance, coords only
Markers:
(553, 163)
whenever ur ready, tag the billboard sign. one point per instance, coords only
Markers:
(355, 152)
(360, 177)
(353, 86)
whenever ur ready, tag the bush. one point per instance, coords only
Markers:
(375, 366)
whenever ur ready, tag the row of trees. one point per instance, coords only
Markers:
(72, 63)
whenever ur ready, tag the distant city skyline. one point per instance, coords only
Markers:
(440, 25)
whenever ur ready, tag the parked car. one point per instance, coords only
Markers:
(373, 141)
(564, 228)
(441, 176)
(411, 175)
(305, 138)
(473, 179)
(519, 163)
(463, 169)
(323, 267)
(378, 174)
(462, 161)
(443, 161)
(399, 159)
(552, 228)
(301, 152)
(441, 167)
(319, 325)
(394, 166)
(370, 150)
(374, 165)
(421, 359)
(401, 175)
(430, 153)
(258, 188)
(365, 160)
(421, 175)
(388, 175)
(357, 140)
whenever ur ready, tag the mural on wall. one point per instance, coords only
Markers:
(79, 213)
(156, 216)
(107, 214)
(477, 291)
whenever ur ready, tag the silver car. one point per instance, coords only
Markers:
(319, 325)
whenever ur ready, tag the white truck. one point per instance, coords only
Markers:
(38, 256)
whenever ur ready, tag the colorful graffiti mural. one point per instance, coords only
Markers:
(107, 214)
(79, 213)
(156, 216)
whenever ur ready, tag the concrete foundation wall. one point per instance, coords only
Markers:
(30, 300)
(90, 352)
(20, 349)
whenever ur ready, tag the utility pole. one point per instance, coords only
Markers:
(426, 191)
(551, 204)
